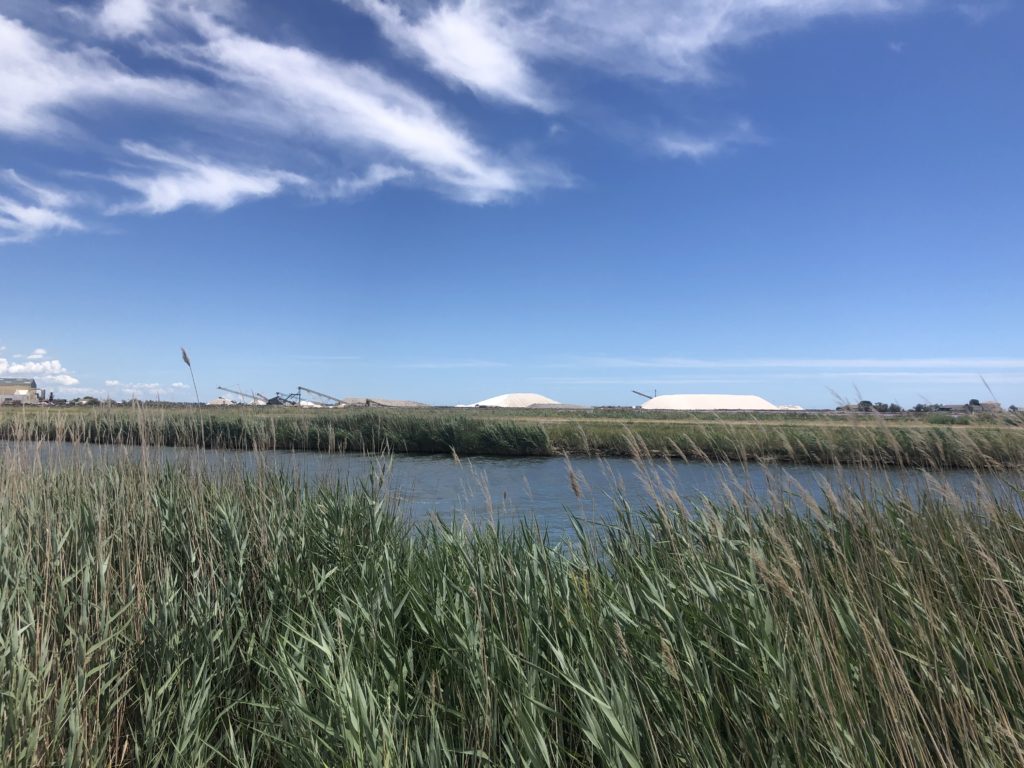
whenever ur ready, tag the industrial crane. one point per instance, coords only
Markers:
(280, 398)
(337, 400)
(256, 397)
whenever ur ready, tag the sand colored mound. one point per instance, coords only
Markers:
(708, 403)
(378, 402)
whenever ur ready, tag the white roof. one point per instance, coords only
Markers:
(516, 400)
(709, 403)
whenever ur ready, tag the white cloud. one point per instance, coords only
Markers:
(932, 363)
(45, 196)
(180, 181)
(32, 368)
(41, 81)
(834, 378)
(980, 11)
(471, 43)
(46, 372)
(31, 209)
(143, 390)
(61, 380)
(118, 390)
(676, 41)
(21, 222)
(309, 110)
(351, 106)
(697, 147)
(493, 48)
(455, 364)
(126, 17)
(376, 175)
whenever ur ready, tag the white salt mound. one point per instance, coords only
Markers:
(516, 400)
(708, 403)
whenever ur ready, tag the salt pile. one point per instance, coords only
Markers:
(708, 403)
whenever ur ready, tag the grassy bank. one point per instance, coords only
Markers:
(907, 440)
(160, 616)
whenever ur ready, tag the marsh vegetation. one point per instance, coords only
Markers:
(931, 441)
(156, 614)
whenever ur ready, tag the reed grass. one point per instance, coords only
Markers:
(169, 615)
(910, 440)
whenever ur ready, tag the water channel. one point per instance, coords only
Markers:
(547, 491)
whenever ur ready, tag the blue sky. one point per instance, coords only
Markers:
(801, 199)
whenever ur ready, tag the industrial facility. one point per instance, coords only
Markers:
(20, 392)
(310, 398)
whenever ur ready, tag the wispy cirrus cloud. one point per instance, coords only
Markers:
(44, 195)
(477, 45)
(495, 48)
(347, 127)
(754, 380)
(377, 175)
(45, 80)
(677, 41)
(454, 364)
(698, 147)
(29, 210)
(126, 17)
(177, 181)
(980, 11)
(230, 81)
(129, 18)
(347, 105)
(21, 222)
(863, 364)
(146, 390)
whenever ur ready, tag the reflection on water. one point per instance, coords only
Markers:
(544, 490)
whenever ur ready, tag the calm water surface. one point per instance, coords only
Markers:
(545, 490)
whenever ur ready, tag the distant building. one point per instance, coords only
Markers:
(19, 391)
(989, 406)
(377, 402)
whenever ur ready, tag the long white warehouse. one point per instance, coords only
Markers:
(708, 403)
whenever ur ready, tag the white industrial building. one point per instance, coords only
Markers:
(19, 391)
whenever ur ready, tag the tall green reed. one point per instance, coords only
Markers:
(907, 441)
(163, 615)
